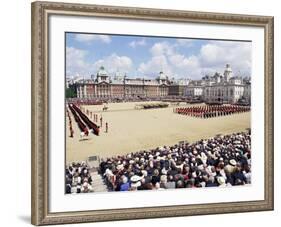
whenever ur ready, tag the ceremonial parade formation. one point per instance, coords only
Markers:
(154, 105)
(209, 111)
(70, 124)
(140, 124)
(220, 161)
(78, 120)
(82, 120)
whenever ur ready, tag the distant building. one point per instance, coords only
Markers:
(176, 87)
(102, 86)
(224, 88)
(194, 89)
(72, 81)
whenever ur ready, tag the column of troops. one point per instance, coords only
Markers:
(70, 124)
(78, 120)
(89, 123)
(82, 117)
(82, 120)
(211, 111)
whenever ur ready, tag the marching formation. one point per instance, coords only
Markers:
(70, 124)
(82, 120)
(217, 161)
(220, 161)
(210, 111)
(154, 105)
(78, 120)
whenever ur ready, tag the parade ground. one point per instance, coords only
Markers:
(131, 129)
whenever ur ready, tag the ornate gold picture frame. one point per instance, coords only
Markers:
(41, 12)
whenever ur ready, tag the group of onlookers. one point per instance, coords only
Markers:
(103, 100)
(78, 178)
(224, 160)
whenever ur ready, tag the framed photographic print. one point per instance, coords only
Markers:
(147, 113)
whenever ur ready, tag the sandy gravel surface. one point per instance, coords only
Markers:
(132, 130)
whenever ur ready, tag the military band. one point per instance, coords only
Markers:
(210, 111)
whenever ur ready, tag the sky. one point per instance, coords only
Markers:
(145, 57)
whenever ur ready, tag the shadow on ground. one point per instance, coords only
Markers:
(25, 218)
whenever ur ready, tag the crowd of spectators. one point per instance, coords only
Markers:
(224, 160)
(103, 100)
(78, 178)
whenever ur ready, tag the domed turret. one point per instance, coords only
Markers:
(227, 72)
(102, 72)
(162, 78)
(102, 75)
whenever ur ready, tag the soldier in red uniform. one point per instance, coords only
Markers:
(100, 121)
(86, 131)
(106, 127)
(71, 131)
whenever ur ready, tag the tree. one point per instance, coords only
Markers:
(70, 93)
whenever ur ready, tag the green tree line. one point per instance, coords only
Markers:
(70, 93)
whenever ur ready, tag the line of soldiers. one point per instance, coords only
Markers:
(70, 124)
(89, 123)
(211, 111)
(79, 122)
(95, 117)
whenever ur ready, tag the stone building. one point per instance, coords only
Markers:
(220, 88)
(102, 86)
(194, 89)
